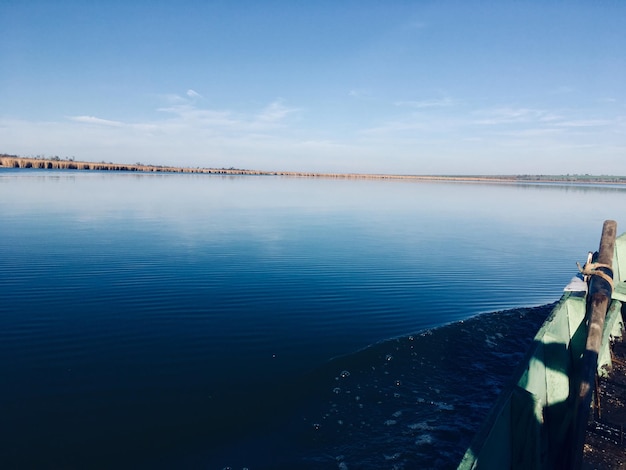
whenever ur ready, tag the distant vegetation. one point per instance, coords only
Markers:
(55, 162)
(586, 178)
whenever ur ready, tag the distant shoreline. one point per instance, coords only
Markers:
(13, 161)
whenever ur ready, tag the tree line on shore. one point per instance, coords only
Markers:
(56, 163)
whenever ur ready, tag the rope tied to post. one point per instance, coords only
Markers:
(595, 269)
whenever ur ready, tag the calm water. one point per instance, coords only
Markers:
(195, 321)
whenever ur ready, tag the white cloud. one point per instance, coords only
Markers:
(173, 98)
(275, 112)
(193, 94)
(97, 121)
(439, 132)
(506, 115)
(530, 132)
(192, 116)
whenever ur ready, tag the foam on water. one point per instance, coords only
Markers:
(423, 407)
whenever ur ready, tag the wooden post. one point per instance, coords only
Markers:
(600, 290)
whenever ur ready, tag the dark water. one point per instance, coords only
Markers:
(191, 321)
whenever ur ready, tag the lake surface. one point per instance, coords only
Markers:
(196, 321)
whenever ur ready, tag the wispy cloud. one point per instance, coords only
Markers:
(359, 93)
(417, 123)
(530, 117)
(187, 129)
(193, 94)
(584, 123)
(433, 103)
(275, 112)
(173, 98)
(190, 115)
(97, 121)
(520, 127)
(530, 132)
(497, 116)
(183, 116)
(550, 117)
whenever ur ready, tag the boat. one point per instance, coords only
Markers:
(539, 421)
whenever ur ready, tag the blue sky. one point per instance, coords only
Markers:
(411, 87)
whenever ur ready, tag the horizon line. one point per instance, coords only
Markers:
(15, 161)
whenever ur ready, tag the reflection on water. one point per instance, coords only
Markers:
(149, 316)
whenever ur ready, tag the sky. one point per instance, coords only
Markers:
(402, 87)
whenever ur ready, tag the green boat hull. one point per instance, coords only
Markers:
(531, 426)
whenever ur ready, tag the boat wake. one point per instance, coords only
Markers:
(410, 402)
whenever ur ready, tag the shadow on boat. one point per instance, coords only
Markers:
(534, 424)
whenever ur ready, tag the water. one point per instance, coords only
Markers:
(195, 321)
